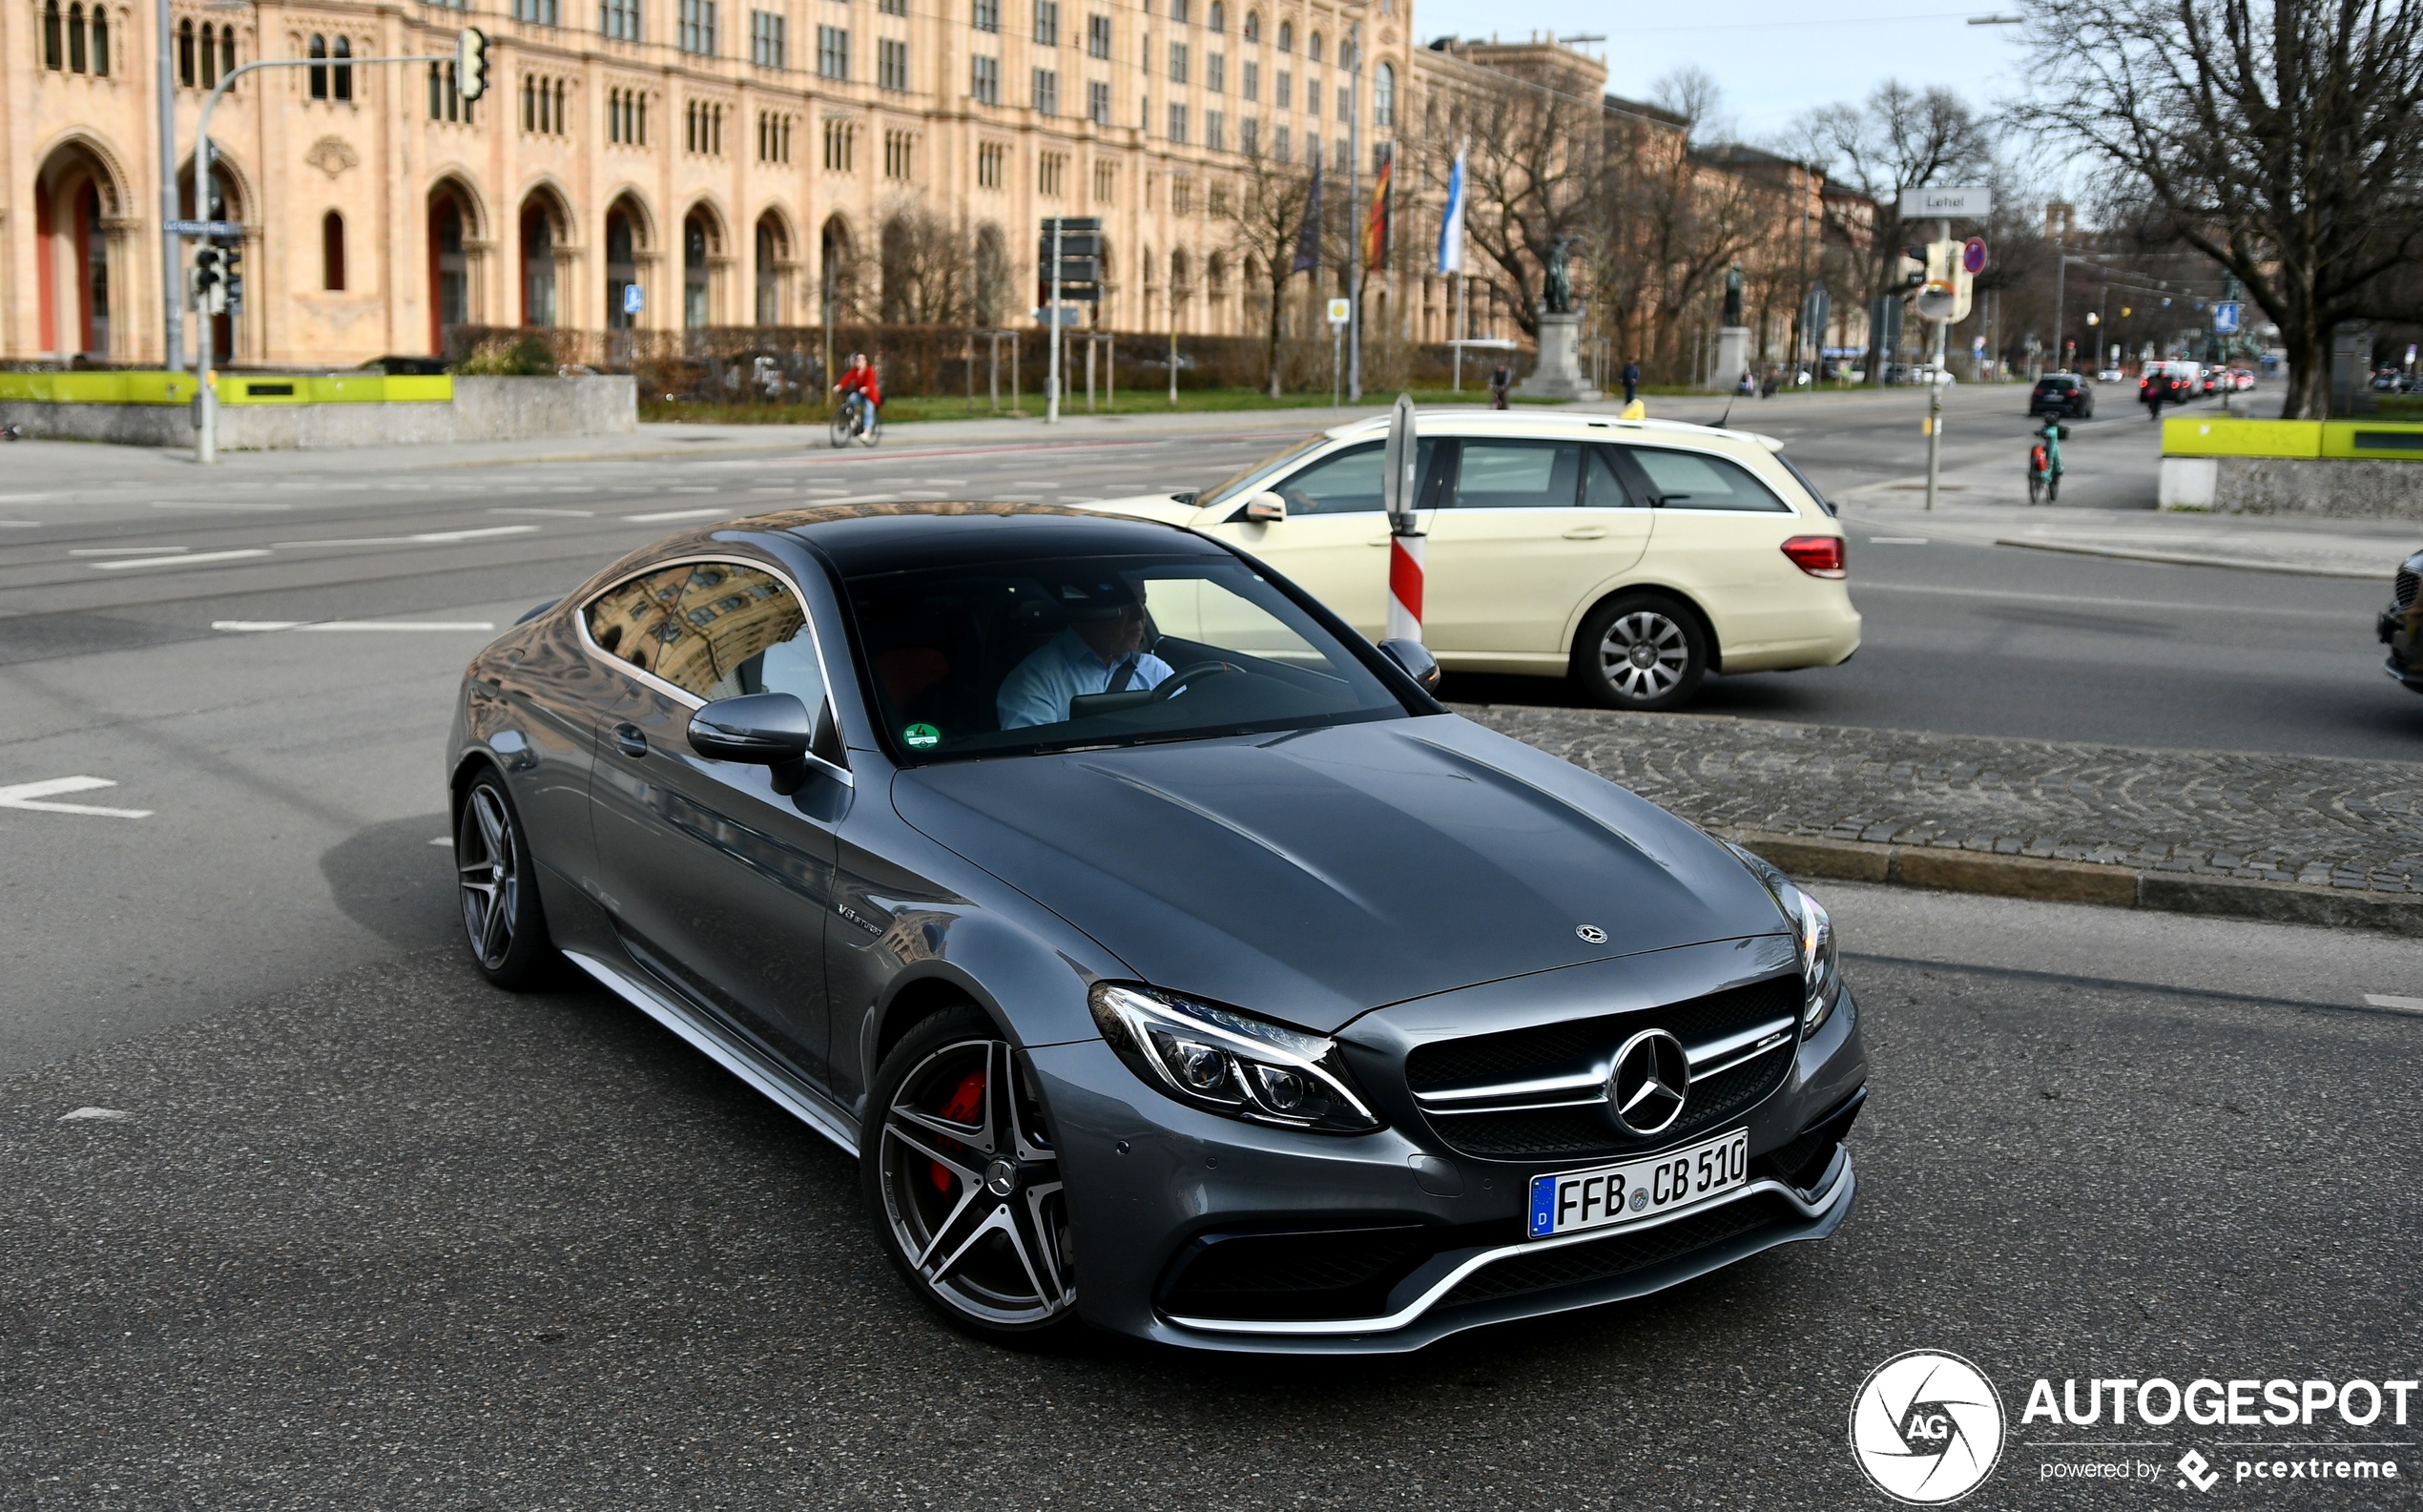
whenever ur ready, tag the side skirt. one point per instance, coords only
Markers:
(710, 1039)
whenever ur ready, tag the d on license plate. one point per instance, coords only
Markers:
(1606, 1195)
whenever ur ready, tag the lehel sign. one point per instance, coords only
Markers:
(1940, 204)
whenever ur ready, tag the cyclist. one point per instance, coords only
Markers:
(862, 395)
(2044, 460)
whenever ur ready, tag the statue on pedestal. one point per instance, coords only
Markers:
(1732, 294)
(1557, 296)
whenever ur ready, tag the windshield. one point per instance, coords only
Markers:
(1234, 482)
(1021, 657)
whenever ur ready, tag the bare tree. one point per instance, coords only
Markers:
(1674, 215)
(2281, 139)
(1898, 138)
(1532, 178)
(1264, 217)
(928, 267)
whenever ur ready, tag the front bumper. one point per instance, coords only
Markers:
(1150, 1182)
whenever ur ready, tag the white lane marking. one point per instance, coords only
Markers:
(686, 488)
(443, 841)
(666, 516)
(1897, 540)
(943, 483)
(569, 514)
(2383, 1000)
(101, 1115)
(158, 504)
(187, 560)
(426, 538)
(30, 795)
(20, 525)
(2074, 601)
(129, 550)
(828, 491)
(264, 626)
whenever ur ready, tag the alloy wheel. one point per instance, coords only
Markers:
(1643, 654)
(972, 1187)
(488, 871)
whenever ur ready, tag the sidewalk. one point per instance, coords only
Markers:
(2295, 839)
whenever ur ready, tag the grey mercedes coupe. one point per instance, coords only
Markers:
(1167, 956)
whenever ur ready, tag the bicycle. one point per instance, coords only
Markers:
(2044, 465)
(856, 420)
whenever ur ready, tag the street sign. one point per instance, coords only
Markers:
(1340, 311)
(634, 296)
(2226, 319)
(205, 228)
(1818, 311)
(1946, 204)
(1070, 316)
(1973, 255)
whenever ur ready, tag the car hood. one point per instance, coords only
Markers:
(1314, 876)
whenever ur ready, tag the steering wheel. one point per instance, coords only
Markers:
(1171, 684)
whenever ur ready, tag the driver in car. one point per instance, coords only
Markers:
(1102, 651)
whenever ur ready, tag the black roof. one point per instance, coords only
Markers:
(864, 539)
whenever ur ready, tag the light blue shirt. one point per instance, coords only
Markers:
(1038, 689)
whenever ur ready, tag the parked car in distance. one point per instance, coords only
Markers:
(2109, 375)
(2063, 394)
(1243, 998)
(1631, 556)
(2167, 383)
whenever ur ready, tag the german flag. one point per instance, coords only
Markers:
(1376, 221)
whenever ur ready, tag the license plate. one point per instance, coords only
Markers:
(1605, 1196)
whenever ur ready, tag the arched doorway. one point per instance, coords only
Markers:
(450, 290)
(836, 266)
(543, 226)
(772, 265)
(626, 237)
(700, 246)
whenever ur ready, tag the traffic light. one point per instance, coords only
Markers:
(1913, 268)
(471, 63)
(231, 269)
(206, 281)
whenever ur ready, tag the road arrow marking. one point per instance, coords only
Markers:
(29, 796)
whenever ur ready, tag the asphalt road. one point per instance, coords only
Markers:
(375, 1235)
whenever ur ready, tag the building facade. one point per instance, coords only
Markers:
(648, 164)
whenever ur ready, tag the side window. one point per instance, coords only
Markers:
(714, 629)
(1342, 483)
(1518, 475)
(1601, 486)
(1692, 480)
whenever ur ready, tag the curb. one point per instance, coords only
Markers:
(2061, 882)
(2243, 564)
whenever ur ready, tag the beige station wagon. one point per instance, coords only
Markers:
(1633, 556)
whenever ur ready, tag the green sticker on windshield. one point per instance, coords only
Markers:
(921, 736)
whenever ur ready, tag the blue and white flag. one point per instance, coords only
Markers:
(1451, 230)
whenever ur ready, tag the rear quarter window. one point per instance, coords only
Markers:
(1695, 480)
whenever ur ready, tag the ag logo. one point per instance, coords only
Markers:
(1926, 1427)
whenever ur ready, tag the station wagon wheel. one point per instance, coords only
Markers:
(502, 921)
(1641, 651)
(963, 1182)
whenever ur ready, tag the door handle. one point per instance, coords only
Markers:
(630, 741)
(1586, 532)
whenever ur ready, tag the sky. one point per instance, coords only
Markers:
(1776, 60)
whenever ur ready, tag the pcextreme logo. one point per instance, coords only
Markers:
(1926, 1427)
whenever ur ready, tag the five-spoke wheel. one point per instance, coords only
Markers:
(963, 1181)
(501, 920)
(1639, 651)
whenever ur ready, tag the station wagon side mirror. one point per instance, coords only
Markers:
(1265, 508)
(771, 730)
(1417, 661)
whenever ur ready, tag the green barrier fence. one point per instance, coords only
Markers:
(177, 388)
(2222, 437)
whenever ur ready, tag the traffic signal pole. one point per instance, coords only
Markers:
(172, 245)
(470, 61)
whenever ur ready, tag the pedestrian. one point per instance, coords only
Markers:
(1631, 379)
(1499, 382)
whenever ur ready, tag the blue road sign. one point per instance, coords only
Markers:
(206, 228)
(2226, 319)
(634, 296)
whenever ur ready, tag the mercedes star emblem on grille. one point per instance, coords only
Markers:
(1647, 1088)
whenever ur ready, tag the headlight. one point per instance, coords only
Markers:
(1227, 1062)
(1812, 930)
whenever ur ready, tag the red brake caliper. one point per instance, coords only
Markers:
(966, 1106)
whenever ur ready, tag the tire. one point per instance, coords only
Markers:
(962, 1183)
(497, 886)
(1639, 651)
(2034, 485)
(2053, 489)
(842, 426)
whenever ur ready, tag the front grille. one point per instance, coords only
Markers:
(1581, 1044)
(1617, 1254)
(2402, 593)
(1316, 1273)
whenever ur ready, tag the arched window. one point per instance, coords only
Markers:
(52, 57)
(227, 50)
(100, 43)
(1313, 48)
(1217, 17)
(1287, 37)
(1383, 97)
(343, 79)
(75, 38)
(319, 72)
(184, 49)
(1254, 26)
(1178, 12)
(332, 251)
(210, 54)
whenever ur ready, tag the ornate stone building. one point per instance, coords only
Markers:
(733, 161)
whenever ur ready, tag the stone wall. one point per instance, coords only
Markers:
(2328, 487)
(483, 409)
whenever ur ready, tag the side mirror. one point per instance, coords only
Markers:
(1265, 508)
(1415, 660)
(771, 730)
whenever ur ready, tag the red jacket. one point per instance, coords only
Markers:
(862, 379)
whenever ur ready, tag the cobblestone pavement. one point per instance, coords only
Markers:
(2283, 818)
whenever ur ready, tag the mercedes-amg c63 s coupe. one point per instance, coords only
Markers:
(1167, 958)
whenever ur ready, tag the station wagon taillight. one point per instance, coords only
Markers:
(1817, 555)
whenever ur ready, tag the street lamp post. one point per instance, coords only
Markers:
(172, 245)
(1355, 211)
